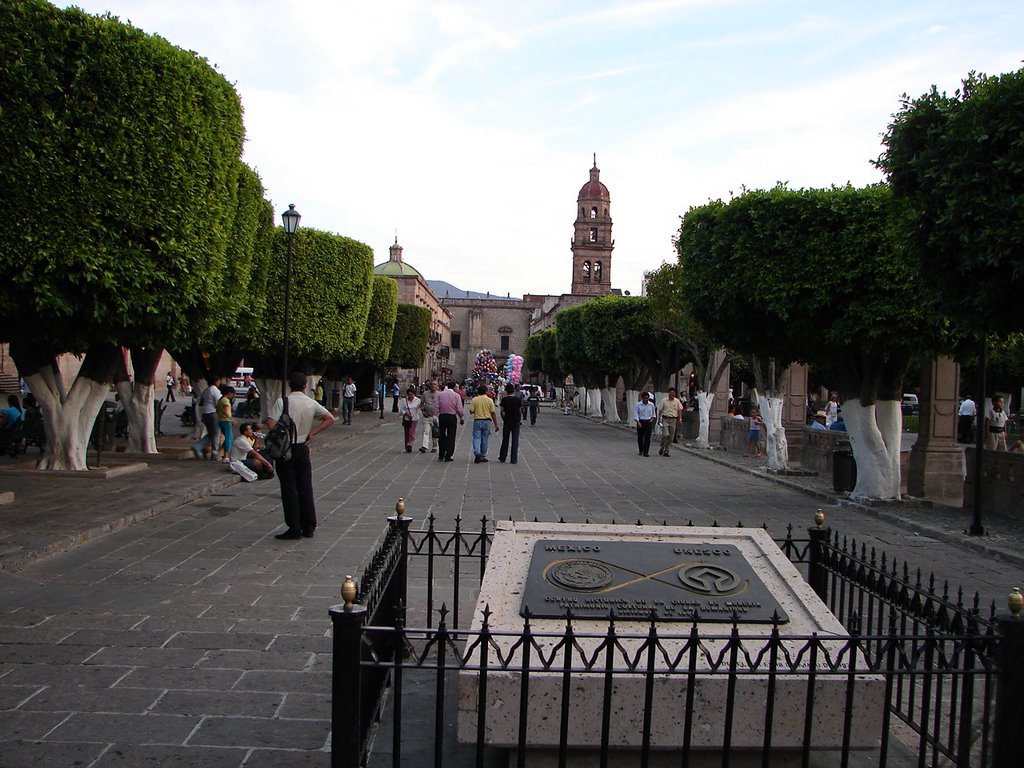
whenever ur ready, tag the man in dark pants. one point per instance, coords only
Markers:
(296, 474)
(511, 419)
(646, 414)
(449, 415)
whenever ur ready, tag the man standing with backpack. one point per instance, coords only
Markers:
(294, 470)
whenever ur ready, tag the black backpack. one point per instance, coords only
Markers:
(281, 438)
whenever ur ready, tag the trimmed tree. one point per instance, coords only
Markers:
(119, 181)
(410, 338)
(331, 292)
(818, 276)
(575, 357)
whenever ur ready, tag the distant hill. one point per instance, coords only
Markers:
(442, 289)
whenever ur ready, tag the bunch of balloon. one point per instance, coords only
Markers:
(485, 371)
(514, 369)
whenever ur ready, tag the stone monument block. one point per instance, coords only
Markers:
(666, 573)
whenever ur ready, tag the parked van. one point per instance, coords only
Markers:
(911, 405)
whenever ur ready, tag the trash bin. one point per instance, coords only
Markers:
(102, 437)
(844, 471)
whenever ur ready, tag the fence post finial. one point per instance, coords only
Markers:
(1015, 602)
(819, 518)
(400, 507)
(348, 592)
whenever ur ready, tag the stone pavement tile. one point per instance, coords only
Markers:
(35, 653)
(18, 725)
(262, 732)
(36, 754)
(250, 660)
(284, 682)
(64, 675)
(138, 756)
(177, 679)
(11, 696)
(307, 705)
(135, 729)
(120, 638)
(78, 699)
(211, 640)
(243, 704)
(179, 624)
(307, 643)
(283, 626)
(282, 758)
(146, 657)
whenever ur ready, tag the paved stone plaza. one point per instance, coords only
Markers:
(192, 637)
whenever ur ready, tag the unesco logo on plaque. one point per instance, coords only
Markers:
(641, 580)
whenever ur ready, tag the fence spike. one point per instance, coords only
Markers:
(487, 614)
(639, 521)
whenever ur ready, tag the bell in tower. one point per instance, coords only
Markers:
(592, 242)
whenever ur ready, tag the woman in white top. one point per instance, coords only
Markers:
(409, 408)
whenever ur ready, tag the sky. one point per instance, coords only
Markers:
(466, 129)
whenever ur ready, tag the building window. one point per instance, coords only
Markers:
(456, 340)
(586, 271)
(593, 234)
(597, 271)
(593, 213)
(504, 343)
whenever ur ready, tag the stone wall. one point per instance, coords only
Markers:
(1002, 482)
(480, 323)
(819, 445)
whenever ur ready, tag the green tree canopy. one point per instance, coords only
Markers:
(411, 336)
(958, 161)
(331, 292)
(380, 323)
(118, 176)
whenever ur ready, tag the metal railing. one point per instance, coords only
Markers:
(950, 679)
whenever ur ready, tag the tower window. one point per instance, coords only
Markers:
(597, 271)
(586, 271)
(456, 340)
(504, 343)
(593, 213)
(593, 234)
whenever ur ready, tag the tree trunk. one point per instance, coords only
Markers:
(270, 393)
(632, 398)
(704, 400)
(593, 403)
(68, 418)
(137, 399)
(875, 432)
(198, 387)
(611, 408)
(777, 447)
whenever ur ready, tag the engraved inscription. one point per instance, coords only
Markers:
(644, 580)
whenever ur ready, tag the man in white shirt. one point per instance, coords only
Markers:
(296, 473)
(348, 401)
(207, 446)
(965, 420)
(646, 414)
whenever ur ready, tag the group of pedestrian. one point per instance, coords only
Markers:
(667, 415)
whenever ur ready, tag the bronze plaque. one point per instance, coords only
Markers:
(638, 579)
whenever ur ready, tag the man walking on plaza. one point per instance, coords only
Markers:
(670, 414)
(449, 415)
(428, 408)
(511, 420)
(296, 473)
(482, 408)
(646, 413)
(348, 401)
(207, 446)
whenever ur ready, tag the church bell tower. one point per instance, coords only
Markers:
(592, 242)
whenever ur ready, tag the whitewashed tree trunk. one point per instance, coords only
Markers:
(137, 400)
(593, 403)
(776, 447)
(632, 398)
(611, 408)
(704, 400)
(875, 432)
(69, 420)
(270, 393)
(559, 395)
(198, 387)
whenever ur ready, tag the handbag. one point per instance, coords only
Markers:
(435, 430)
(406, 420)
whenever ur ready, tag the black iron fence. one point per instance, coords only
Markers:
(920, 679)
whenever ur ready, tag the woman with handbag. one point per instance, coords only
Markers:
(409, 408)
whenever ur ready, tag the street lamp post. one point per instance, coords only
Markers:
(291, 219)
